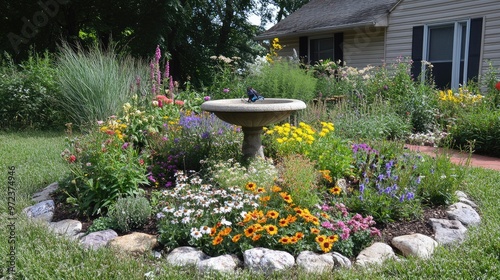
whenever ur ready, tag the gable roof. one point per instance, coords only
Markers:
(329, 15)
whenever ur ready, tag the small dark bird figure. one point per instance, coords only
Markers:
(253, 95)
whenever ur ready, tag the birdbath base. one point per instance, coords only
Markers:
(252, 143)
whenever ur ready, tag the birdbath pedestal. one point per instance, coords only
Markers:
(252, 117)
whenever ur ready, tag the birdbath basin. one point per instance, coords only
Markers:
(252, 117)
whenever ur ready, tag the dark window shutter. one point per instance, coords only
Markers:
(417, 45)
(476, 29)
(303, 49)
(338, 52)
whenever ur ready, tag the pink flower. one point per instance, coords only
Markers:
(72, 158)
(179, 103)
(206, 98)
(226, 90)
(158, 53)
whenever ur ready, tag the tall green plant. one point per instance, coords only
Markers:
(96, 82)
(284, 79)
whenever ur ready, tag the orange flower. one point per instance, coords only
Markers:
(256, 237)
(283, 222)
(271, 229)
(293, 239)
(315, 231)
(260, 190)
(336, 190)
(291, 219)
(284, 240)
(213, 231)
(265, 198)
(272, 214)
(333, 238)
(217, 240)
(275, 189)
(286, 197)
(249, 231)
(298, 210)
(236, 238)
(225, 231)
(324, 215)
(262, 220)
(299, 235)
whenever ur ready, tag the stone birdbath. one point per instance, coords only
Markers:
(252, 117)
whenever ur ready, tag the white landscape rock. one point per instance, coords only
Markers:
(266, 260)
(463, 213)
(67, 228)
(136, 243)
(377, 253)
(447, 232)
(224, 263)
(45, 193)
(186, 255)
(42, 211)
(98, 239)
(417, 245)
(314, 262)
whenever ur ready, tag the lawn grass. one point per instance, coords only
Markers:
(40, 255)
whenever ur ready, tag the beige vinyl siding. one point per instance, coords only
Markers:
(289, 44)
(364, 46)
(414, 13)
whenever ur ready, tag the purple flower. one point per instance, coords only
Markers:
(206, 98)
(327, 225)
(158, 53)
(361, 188)
(410, 196)
(205, 135)
(226, 90)
(125, 145)
(167, 70)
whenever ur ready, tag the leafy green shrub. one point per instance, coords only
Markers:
(369, 121)
(129, 213)
(480, 126)
(283, 79)
(96, 83)
(101, 223)
(29, 94)
(299, 177)
(103, 168)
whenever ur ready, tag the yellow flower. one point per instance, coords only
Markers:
(272, 214)
(320, 239)
(299, 235)
(225, 231)
(336, 190)
(326, 246)
(249, 231)
(265, 198)
(333, 238)
(286, 197)
(251, 186)
(315, 231)
(271, 229)
(283, 222)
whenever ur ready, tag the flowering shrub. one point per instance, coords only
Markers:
(103, 168)
(387, 187)
(181, 145)
(319, 145)
(273, 50)
(231, 220)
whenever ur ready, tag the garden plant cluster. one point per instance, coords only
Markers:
(184, 167)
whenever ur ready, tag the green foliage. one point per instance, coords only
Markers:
(480, 126)
(103, 168)
(376, 120)
(130, 212)
(440, 178)
(101, 223)
(96, 83)
(387, 187)
(283, 79)
(28, 93)
(298, 176)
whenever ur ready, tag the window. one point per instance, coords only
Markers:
(452, 48)
(446, 46)
(321, 49)
(313, 49)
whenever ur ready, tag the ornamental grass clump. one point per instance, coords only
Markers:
(231, 220)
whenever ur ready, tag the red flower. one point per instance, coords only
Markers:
(72, 158)
(497, 86)
(141, 161)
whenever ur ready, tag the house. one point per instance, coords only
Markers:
(460, 38)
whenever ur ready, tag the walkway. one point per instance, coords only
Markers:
(460, 157)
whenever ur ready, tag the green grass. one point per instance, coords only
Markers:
(40, 255)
